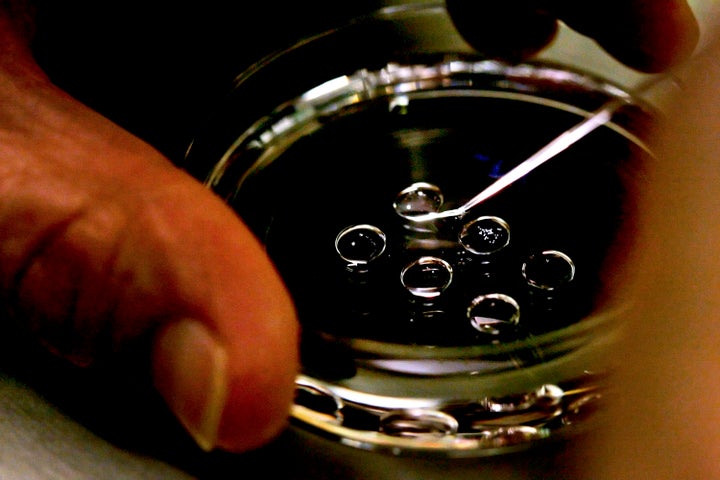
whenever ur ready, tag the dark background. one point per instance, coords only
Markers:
(159, 68)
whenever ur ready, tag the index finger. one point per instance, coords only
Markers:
(647, 35)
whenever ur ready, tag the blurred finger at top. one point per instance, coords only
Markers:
(647, 35)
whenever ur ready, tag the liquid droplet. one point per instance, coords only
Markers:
(548, 395)
(427, 277)
(515, 435)
(548, 270)
(418, 199)
(418, 423)
(319, 399)
(360, 244)
(493, 312)
(399, 104)
(485, 235)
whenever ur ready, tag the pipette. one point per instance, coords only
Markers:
(557, 145)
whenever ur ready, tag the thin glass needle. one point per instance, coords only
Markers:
(556, 146)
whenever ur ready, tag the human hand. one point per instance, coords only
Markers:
(648, 35)
(105, 247)
(662, 405)
(662, 415)
(104, 244)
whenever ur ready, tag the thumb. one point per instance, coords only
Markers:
(104, 245)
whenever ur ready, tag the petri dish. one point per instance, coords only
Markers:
(466, 336)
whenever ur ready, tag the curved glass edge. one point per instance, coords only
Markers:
(513, 432)
(528, 82)
(383, 367)
(385, 36)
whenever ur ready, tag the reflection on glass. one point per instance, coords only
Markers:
(426, 277)
(493, 312)
(360, 244)
(485, 235)
(419, 198)
(548, 270)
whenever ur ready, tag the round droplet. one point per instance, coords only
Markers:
(399, 104)
(427, 277)
(493, 312)
(509, 403)
(360, 244)
(485, 235)
(548, 395)
(548, 270)
(319, 399)
(418, 423)
(418, 199)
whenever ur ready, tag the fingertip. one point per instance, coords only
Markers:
(263, 367)
(257, 411)
(227, 369)
(650, 37)
(190, 370)
(229, 397)
(510, 31)
(647, 36)
(674, 42)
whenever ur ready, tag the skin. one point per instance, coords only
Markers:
(665, 403)
(105, 245)
(648, 35)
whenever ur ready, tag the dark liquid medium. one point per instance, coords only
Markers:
(350, 171)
